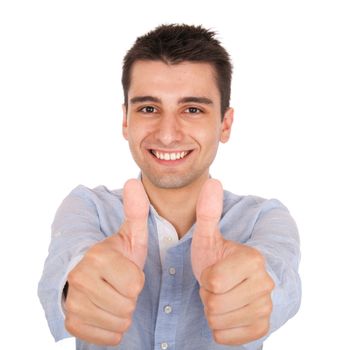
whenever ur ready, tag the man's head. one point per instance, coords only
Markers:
(176, 108)
(173, 44)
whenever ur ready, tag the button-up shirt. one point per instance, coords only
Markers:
(169, 312)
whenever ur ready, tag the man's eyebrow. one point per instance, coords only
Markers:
(140, 99)
(187, 99)
(195, 99)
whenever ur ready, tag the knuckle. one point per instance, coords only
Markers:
(224, 337)
(210, 305)
(269, 306)
(212, 322)
(130, 307)
(116, 339)
(257, 260)
(220, 337)
(264, 311)
(113, 340)
(265, 282)
(140, 281)
(95, 255)
(267, 310)
(270, 284)
(71, 325)
(71, 306)
(215, 283)
(260, 330)
(75, 278)
(125, 324)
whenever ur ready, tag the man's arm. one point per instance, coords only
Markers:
(275, 236)
(104, 285)
(75, 229)
(248, 290)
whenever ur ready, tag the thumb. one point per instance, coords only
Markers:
(205, 246)
(136, 208)
(209, 209)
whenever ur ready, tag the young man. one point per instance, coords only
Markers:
(173, 261)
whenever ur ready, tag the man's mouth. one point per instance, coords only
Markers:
(169, 155)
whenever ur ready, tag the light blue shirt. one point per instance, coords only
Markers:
(169, 313)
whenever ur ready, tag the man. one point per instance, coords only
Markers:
(173, 261)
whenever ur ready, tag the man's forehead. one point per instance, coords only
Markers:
(143, 66)
(183, 80)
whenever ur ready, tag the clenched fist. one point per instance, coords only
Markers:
(104, 286)
(234, 285)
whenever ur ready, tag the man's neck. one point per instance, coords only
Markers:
(177, 205)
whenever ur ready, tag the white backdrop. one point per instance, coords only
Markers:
(60, 109)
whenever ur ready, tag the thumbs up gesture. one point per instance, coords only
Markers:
(234, 286)
(103, 288)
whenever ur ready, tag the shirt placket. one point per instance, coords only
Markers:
(170, 299)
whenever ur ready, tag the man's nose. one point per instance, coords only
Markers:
(169, 129)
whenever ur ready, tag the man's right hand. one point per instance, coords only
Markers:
(103, 288)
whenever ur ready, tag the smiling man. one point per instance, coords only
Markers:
(173, 123)
(173, 261)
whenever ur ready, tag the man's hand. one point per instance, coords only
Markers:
(104, 286)
(234, 285)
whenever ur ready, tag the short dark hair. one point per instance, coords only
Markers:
(175, 43)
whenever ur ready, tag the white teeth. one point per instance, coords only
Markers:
(169, 156)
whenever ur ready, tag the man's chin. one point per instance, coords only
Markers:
(171, 181)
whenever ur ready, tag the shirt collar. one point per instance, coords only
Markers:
(153, 211)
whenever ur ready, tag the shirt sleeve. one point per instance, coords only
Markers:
(62, 285)
(76, 227)
(275, 235)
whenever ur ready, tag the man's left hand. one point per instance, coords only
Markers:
(234, 285)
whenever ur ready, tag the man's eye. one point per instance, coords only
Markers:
(148, 109)
(193, 110)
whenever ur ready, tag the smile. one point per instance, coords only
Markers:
(170, 155)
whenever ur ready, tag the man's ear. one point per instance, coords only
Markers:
(125, 122)
(226, 125)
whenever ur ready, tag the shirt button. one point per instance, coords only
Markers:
(167, 309)
(172, 271)
(164, 346)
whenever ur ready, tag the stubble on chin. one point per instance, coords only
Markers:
(171, 181)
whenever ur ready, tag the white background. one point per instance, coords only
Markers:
(60, 108)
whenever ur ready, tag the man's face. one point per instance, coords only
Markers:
(173, 123)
